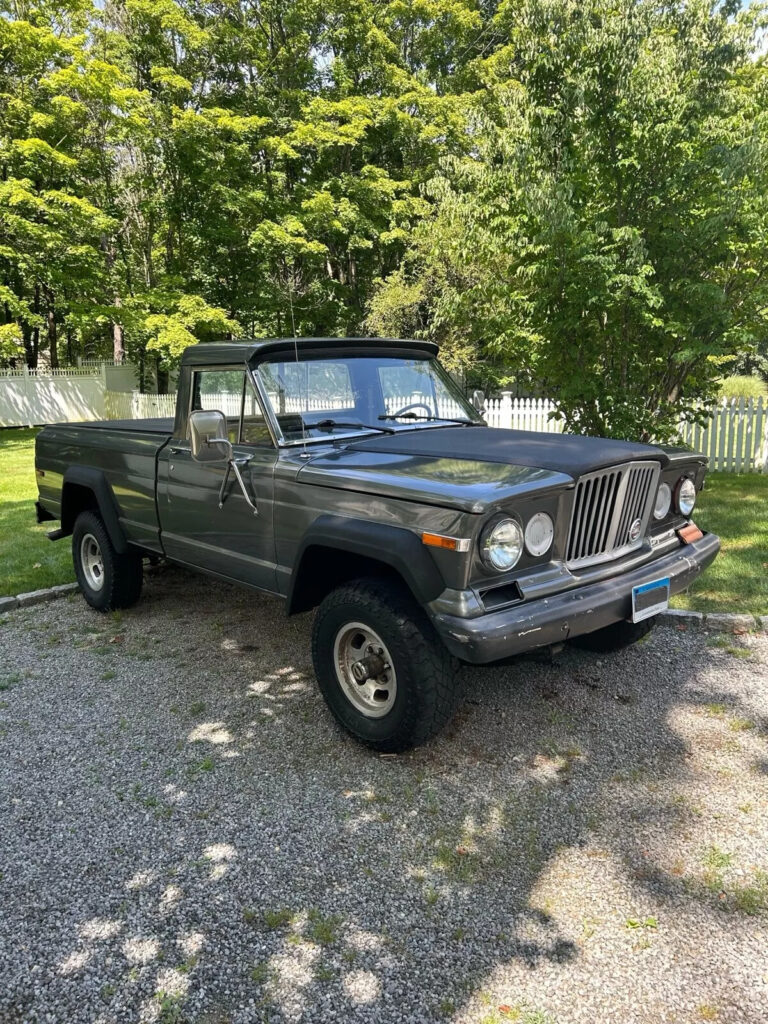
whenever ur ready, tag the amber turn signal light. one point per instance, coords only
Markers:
(690, 533)
(435, 540)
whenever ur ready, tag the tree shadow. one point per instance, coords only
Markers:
(259, 864)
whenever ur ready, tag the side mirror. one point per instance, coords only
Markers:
(478, 400)
(207, 432)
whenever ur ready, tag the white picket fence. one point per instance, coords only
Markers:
(734, 435)
(522, 414)
(135, 406)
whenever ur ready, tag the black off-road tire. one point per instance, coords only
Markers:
(121, 574)
(614, 637)
(428, 687)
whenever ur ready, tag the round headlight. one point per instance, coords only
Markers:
(686, 496)
(539, 533)
(502, 545)
(663, 501)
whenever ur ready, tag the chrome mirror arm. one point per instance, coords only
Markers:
(234, 465)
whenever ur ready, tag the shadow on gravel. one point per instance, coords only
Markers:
(259, 865)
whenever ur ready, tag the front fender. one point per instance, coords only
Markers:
(394, 546)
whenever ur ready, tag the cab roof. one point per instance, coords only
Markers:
(252, 351)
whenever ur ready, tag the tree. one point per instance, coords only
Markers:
(606, 235)
(571, 195)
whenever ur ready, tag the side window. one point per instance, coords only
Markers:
(230, 392)
(221, 390)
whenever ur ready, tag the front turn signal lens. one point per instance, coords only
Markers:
(437, 540)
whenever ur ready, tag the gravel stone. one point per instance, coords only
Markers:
(188, 838)
(730, 623)
(34, 597)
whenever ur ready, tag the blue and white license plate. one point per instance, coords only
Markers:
(649, 599)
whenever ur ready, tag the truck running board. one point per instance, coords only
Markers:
(55, 534)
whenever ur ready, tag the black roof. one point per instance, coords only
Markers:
(255, 349)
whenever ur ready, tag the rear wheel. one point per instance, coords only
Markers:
(107, 578)
(614, 637)
(382, 670)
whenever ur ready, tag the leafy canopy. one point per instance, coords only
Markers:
(569, 197)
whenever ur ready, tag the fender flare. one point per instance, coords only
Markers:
(95, 481)
(394, 546)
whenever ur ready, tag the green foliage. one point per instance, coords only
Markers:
(172, 173)
(190, 319)
(606, 235)
(742, 386)
(569, 197)
(11, 343)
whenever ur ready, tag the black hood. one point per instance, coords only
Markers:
(563, 453)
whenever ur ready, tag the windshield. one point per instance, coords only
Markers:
(315, 397)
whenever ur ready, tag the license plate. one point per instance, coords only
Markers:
(649, 599)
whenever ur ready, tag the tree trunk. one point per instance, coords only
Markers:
(35, 330)
(53, 339)
(161, 375)
(118, 338)
(26, 334)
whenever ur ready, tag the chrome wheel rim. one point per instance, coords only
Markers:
(364, 669)
(92, 562)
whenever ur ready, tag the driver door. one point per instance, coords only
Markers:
(230, 541)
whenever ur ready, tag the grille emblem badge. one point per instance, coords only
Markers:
(634, 530)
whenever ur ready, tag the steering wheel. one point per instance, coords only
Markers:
(414, 405)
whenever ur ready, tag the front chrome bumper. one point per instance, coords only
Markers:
(552, 619)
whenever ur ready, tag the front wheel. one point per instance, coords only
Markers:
(614, 637)
(382, 670)
(107, 578)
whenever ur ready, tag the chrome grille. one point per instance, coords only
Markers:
(605, 507)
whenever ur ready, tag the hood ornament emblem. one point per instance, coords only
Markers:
(634, 530)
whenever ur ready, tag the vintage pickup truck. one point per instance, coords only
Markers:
(352, 476)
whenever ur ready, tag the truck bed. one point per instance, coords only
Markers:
(124, 452)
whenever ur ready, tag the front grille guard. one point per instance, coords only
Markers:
(611, 510)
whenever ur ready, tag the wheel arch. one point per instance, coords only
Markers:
(86, 489)
(336, 549)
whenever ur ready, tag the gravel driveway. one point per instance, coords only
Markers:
(185, 835)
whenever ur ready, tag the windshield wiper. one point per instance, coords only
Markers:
(330, 424)
(416, 416)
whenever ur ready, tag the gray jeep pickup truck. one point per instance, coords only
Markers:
(352, 476)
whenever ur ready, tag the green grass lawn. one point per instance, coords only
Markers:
(735, 507)
(28, 560)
